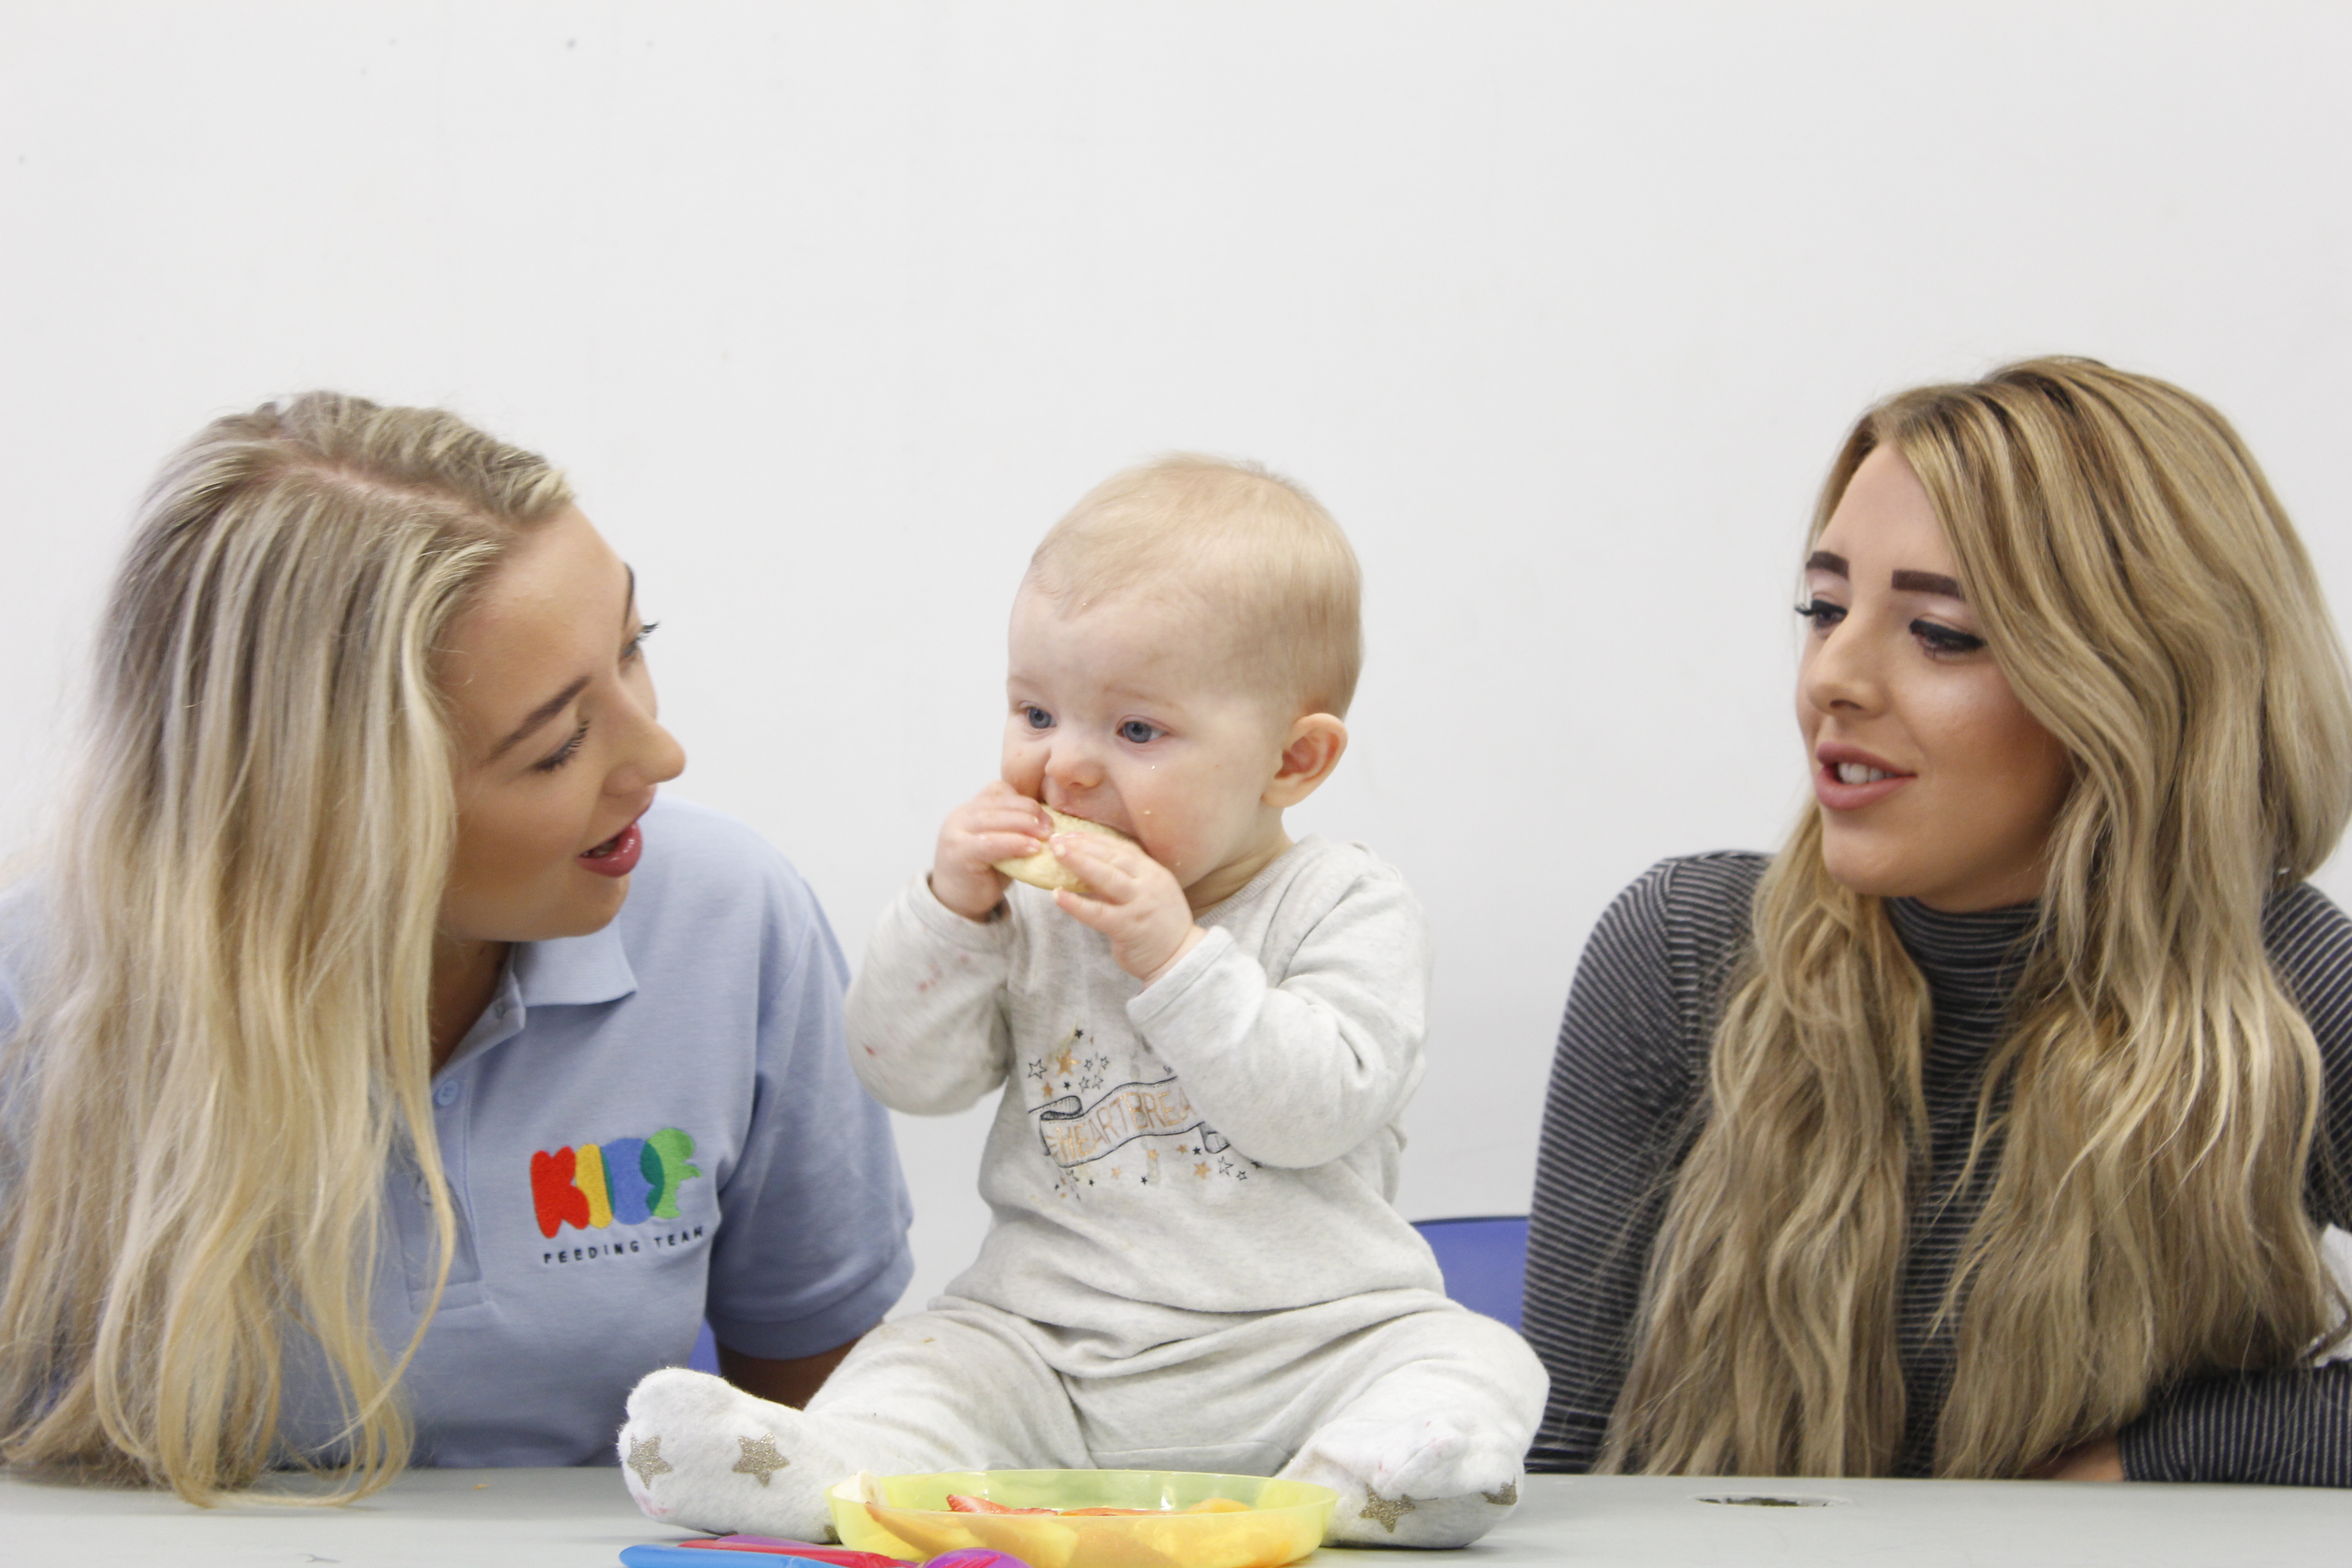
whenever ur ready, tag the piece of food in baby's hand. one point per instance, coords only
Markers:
(1042, 870)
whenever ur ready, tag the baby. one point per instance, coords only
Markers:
(1205, 1052)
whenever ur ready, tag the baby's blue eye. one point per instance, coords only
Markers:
(1137, 733)
(1038, 717)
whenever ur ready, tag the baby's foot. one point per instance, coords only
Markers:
(701, 1453)
(1426, 1482)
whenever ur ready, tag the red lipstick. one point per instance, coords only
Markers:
(617, 856)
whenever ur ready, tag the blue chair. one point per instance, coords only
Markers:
(1485, 1259)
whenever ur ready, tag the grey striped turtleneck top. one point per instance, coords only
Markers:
(1626, 1083)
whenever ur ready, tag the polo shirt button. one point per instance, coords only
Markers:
(447, 1094)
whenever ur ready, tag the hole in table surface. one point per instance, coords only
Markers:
(1762, 1500)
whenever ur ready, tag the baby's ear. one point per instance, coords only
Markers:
(1313, 750)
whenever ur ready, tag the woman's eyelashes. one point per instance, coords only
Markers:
(571, 747)
(1821, 613)
(1937, 638)
(563, 753)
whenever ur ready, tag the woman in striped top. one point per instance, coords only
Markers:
(1985, 1130)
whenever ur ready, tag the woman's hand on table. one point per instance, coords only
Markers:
(2099, 1460)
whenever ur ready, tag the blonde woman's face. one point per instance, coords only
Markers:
(1934, 780)
(559, 752)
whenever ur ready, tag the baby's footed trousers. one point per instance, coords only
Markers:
(1415, 1410)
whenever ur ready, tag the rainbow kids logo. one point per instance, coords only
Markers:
(628, 1179)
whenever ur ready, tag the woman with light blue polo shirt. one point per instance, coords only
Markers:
(389, 1078)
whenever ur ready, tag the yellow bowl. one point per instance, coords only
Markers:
(1282, 1522)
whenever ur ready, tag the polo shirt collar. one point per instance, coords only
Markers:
(570, 971)
(574, 971)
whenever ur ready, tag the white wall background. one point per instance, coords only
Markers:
(830, 310)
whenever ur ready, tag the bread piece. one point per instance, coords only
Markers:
(1042, 870)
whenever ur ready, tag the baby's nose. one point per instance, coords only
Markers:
(1073, 764)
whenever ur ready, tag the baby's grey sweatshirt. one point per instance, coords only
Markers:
(1223, 1142)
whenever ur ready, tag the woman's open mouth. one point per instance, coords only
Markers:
(1847, 780)
(617, 856)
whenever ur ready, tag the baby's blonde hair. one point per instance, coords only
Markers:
(1246, 544)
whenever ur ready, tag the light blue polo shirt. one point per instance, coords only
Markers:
(650, 1124)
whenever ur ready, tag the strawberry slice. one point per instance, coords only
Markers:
(960, 1503)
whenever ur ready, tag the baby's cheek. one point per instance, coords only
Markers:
(1023, 767)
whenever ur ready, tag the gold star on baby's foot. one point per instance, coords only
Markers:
(645, 1457)
(1387, 1512)
(1506, 1498)
(760, 1457)
(1068, 1062)
(1201, 1169)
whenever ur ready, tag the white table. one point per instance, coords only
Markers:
(581, 1519)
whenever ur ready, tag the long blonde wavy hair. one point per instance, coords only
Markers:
(2146, 1123)
(225, 1042)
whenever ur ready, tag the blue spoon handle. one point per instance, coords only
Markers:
(710, 1557)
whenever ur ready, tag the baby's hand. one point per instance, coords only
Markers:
(1131, 899)
(998, 824)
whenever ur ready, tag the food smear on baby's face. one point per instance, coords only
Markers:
(1044, 870)
(959, 1502)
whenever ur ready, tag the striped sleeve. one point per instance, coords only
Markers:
(2310, 943)
(2286, 1428)
(2292, 1426)
(1625, 1081)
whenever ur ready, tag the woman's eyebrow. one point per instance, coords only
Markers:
(562, 700)
(1927, 582)
(539, 715)
(1822, 560)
